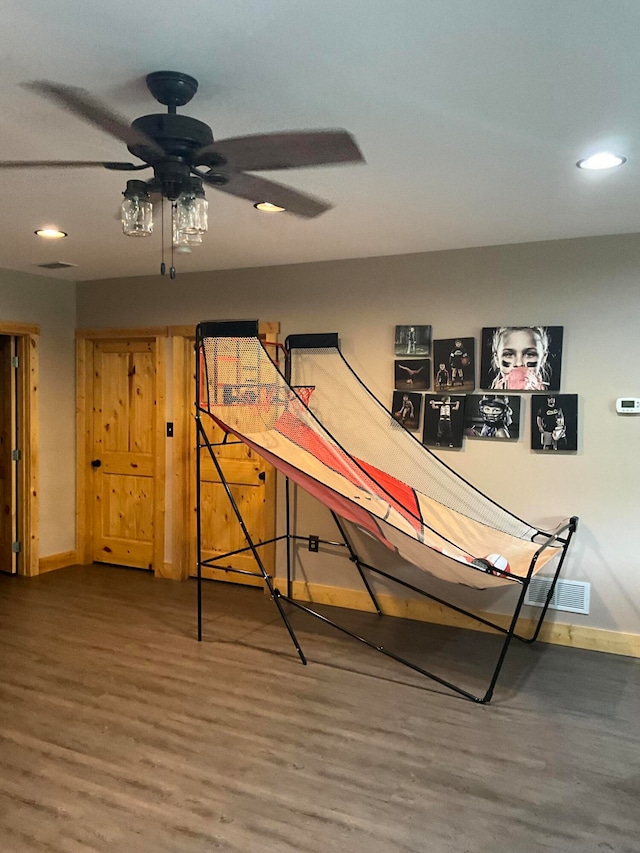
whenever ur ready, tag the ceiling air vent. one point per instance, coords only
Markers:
(56, 265)
(572, 596)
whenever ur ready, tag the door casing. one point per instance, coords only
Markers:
(26, 503)
(8, 464)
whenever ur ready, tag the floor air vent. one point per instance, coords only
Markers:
(572, 596)
(56, 265)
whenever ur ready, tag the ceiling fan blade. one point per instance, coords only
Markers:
(69, 164)
(257, 189)
(84, 105)
(287, 150)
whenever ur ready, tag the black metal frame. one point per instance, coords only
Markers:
(568, 529)
(560, 537)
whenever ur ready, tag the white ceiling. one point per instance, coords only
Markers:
(471, 115)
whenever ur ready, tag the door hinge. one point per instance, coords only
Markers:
(16, 455)
(16, 547)
(15, 361)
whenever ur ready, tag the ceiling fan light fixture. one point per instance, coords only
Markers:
(601, 160)
(183, 241)
(136, 210)
(267, 207)
(192, 209)
(50, 233)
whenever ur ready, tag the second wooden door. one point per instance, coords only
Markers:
(252, 483)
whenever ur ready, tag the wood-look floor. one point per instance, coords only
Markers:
(120, 733)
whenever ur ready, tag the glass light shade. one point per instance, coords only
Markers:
(137, 216)
(186, 216)
(183, 242)
(202, 206)
(180, 240)
(191, 213)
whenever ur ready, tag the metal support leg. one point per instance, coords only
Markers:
(275, 594)
(505, 645)
(516, 613)
(287, 490)
(572, 529)
(198, 524)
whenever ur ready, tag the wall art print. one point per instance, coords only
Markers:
(491, 415)
(521, 358)
(407, 408)
(443, 420)
(413, 340)
(412, 374)
(554, 422)
(454, 365)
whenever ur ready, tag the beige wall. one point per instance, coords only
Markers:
(589, 286)
(50, 303)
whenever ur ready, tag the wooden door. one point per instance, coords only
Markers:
(252, 482)
(8, 532)
(124, 484)
(249, 478)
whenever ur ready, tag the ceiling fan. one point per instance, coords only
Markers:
(184, 155)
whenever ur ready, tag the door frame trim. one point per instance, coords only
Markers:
(85, 340)
(27, 336)
(183, 549)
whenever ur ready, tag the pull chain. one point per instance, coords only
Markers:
(172, 270)
(163, 266)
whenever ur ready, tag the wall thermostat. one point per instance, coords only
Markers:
(628, 405)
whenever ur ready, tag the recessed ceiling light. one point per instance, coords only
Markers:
(50, 233)
(267, 207)
(602, 160)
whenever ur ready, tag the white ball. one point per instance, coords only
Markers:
(499, 562)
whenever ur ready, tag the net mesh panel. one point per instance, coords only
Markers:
(351, 414)
(243, 390)
(240, 385)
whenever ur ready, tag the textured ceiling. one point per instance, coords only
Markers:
(471, 115)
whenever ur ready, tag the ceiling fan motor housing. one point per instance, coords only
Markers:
(178, 135)
(172, 88)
